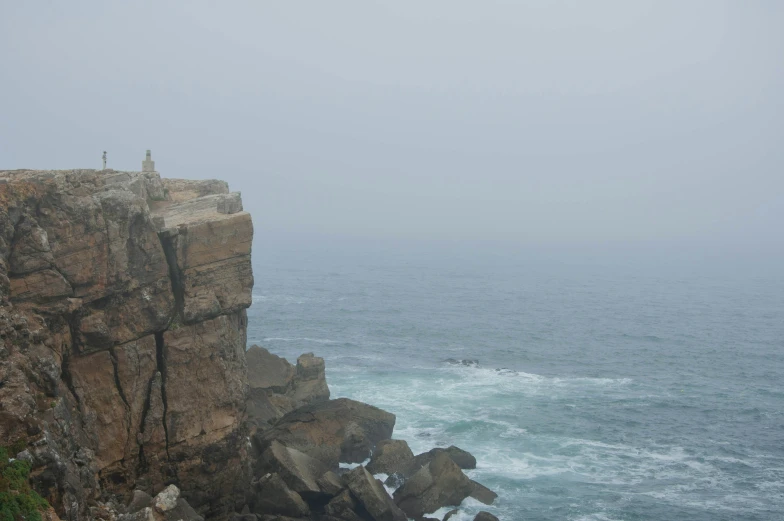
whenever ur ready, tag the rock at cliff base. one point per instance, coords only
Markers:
(395, 480)
(182, 511)
(268, 371)
(451, 513)
(145, 514)
(310, 382)
(464, 459)
(372, 495)
(330, 484)
(334, 431)
(140, 500)
(273, 496)
(299, 471)
(277, 388)
(167, 499)
(441, 483)
(343, 508)
(390, 457)
(485, 516)
(482, 494)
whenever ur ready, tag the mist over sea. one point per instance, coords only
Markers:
(605, 387)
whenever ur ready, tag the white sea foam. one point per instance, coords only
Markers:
(351, 466)
(301, 339)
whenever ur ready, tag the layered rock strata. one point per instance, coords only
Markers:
(123, 370)
(122, 320)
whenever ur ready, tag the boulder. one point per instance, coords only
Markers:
(451, 513)
(334, 431)
(395, 480)
(330, 484)
(182, 511)
(485, 516)
(299, 471)
(167, 499)
(262, 411)
(390, 457)
(277, 388)
(310, 382)
(462, 459)
(441, 483)
(372, 495)
(268, 371)
(482, 494)
(273, 496)
(144, 514)
(140, 500)
(343, 508)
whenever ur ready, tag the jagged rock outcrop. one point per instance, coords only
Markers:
(334, 431)
(391, 457)
(441, 483)
(124, 376)
(122, 335)
(277, 388)
(370, 493)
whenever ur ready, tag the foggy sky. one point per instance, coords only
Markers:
(503, 120)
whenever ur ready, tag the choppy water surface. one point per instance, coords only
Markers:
(599, 394)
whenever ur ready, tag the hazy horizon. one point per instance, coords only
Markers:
(528, 123)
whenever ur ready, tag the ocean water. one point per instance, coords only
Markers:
(620, 391)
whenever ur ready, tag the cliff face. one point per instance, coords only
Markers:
(122, 334)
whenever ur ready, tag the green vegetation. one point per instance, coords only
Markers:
(18, 502)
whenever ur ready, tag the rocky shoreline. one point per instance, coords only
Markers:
(126, 385)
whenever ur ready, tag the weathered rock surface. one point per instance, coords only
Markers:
(298, 470)
(485, 516)
(390, 457)
(343, 507)
(482, 494)
(275, 497)
(441, 483)
(309, 384)
(209, 254)
(277, 388)
(330, 483)
(334, 431)
(268, 371)
(462, 459)
(372, 495)
(122, 341)
(451, 513)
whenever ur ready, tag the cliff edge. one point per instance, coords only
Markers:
(124, 374)
(123, 332)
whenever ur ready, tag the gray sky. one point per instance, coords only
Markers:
(503, 120)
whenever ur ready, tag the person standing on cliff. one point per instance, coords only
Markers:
(104, 159)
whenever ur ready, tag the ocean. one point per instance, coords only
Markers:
(587, 390)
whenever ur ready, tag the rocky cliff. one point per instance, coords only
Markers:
(122, 320)
(124, 374)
